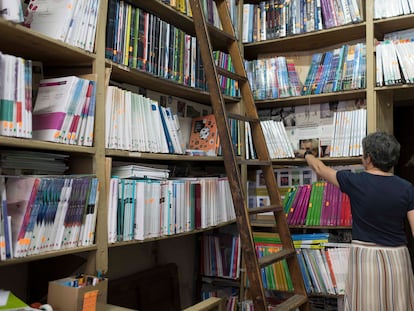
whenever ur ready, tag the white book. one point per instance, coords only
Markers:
(88, 108)
(378, 65)
(90, 238)
(91, 32)
(157, 128)
(11, 10)
(51, 17)
(109, 114)
(405, 8)
(83, 29)
(164, 207)
(142, 136)
(193, 62)
(135, 125)
(246, 20)
(112, 209)
(403, 56)
(127, 124)
(7, 88)
(139, 209)
(140, 171)
(52, 103)
(74, 23)
(74, 110)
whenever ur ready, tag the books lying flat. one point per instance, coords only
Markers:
(139, 171)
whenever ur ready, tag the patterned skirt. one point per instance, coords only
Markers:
(379, 278)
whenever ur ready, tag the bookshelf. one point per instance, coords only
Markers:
(60, 59)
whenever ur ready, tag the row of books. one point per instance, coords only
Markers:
(393, 62)
(274, 77)
(41, 214)
(15, 96)
(141, 40)
(64, 111)
(220, 255)
(137, 123)
(145, 208)
(71, 21)
(350, 127)
(385, 9)
(274, 19)
(19, 162)
(228, 86)
(336, 70)
(324, 269)
(277, 140)
(275, 276)
(319, 204)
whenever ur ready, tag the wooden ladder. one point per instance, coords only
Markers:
(298, 298)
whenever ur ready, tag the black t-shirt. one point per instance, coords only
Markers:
(379, 205)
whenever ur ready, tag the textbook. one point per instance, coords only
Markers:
(140, 171)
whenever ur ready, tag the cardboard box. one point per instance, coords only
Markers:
(63, 297)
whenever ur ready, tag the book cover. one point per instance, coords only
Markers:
(49, 17)
(204, 135)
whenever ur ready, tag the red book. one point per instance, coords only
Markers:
(197, 209)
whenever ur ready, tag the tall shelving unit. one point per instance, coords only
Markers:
(380, 100)
(60, 59)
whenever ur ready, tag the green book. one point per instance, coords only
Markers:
(13, 302)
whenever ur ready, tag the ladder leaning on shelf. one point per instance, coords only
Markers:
(298, 298)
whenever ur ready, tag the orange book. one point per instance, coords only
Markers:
(204, 135)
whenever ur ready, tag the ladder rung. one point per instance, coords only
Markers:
(271, 259)
(265, 209)
(242, 118)
(229, 74)
(255, 162)
(292, 303)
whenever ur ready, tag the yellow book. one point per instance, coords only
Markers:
(127, 34)
(12, 302)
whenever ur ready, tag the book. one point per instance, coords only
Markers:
(50, 17)
(51, 106)
(11, 10)
(140, 171)
(204, 135)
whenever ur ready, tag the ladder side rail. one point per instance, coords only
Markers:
(230, 162)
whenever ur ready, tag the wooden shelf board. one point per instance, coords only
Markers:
(146, 80)
(160, 156)
(25, 143)
(327, 160)
(306, 41)
(310, 99)
(149, 240)
(48, 255)
(386, 25)
(399, 92)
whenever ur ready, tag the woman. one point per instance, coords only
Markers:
(380, 275)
